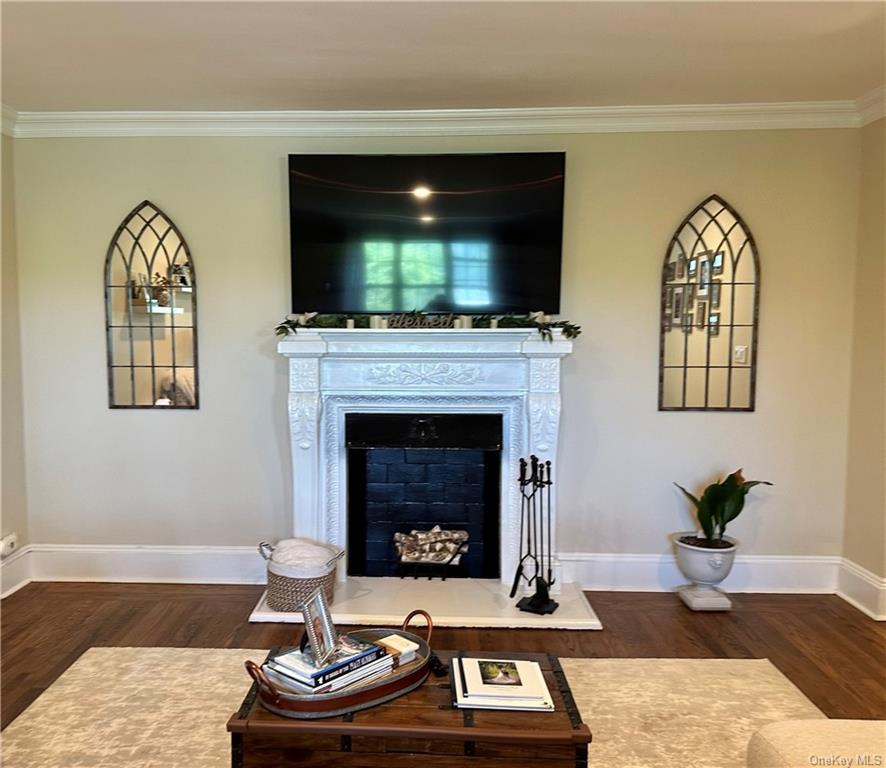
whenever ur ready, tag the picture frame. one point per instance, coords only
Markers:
(714, 324)
(681, 266)
(687, 322)
(704, 275)
(670, 271)
(321, 632)
(717, 263)
(677, 304)
(700, 311)
(714, 298)
(693, 267)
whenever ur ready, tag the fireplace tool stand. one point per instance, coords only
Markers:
(535, 565)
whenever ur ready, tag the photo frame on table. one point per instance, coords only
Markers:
(717, 263)
(321, 632)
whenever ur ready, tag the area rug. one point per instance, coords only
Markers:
(167, 708)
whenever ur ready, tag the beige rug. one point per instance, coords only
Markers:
(167, 708)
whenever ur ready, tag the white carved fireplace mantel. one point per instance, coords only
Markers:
(332, 372)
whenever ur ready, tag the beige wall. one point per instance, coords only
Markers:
(220, 475)
(865, 534)
(13, 507)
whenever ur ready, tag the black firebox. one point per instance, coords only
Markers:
(413, 471)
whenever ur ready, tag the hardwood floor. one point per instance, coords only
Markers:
(830, 651)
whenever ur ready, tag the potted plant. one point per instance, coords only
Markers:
(707, 560)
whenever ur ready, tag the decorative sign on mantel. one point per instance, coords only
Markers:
(418, 320)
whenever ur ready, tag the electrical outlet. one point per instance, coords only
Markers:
(8, 545)
(740, 355)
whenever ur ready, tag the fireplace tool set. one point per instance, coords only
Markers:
(535, 565)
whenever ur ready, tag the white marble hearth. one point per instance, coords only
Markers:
(385, 602)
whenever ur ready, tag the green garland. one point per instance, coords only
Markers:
(546, 329)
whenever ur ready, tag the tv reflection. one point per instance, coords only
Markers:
(402, 275)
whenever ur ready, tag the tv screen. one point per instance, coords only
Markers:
(464, 233)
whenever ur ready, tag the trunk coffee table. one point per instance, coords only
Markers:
(420, 728)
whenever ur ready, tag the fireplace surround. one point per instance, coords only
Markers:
(512, 374)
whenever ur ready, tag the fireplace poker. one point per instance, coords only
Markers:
(550, 482)
(526, 522)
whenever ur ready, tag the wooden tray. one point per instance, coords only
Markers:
(313, 706)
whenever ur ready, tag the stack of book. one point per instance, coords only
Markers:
(497, 684)
(353, 663)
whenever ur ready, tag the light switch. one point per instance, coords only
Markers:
(740, 354)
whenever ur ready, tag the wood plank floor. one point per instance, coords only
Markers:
(830, 651)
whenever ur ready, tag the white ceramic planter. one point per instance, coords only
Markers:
(705, 568)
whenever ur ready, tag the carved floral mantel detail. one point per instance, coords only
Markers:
(332, 372)
(410, 374)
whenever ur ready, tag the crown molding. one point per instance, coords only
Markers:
(872, 106)
(439, 122)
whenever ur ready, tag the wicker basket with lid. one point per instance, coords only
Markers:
(296, 568)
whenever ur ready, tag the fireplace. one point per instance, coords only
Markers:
(413, 381)
(410, 472)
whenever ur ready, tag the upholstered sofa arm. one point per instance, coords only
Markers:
(795, 743)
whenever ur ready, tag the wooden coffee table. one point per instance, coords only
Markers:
(422, 723)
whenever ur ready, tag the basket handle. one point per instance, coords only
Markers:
(261, 679)
(427, 618)
(337, 556)
(265, 550)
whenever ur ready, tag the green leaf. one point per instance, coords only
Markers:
(688, 495)
(705, 519)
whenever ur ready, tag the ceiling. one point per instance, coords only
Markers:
(429, 55)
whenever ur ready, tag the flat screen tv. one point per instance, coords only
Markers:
(462, 233)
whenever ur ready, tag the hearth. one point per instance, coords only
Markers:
(414, 471)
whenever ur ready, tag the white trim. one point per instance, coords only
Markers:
(792, 574)
(160, 564)
(658, 573)
(8, 120)
(872, 106)
(15, 571)
(442, 122)
(862, 589)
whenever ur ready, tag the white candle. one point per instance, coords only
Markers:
(349, 323)
(467, 321)
(384, 322)
(493, 323)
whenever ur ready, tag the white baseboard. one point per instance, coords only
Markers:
(594, 571)
(657, 573)
(132, 563)
(862, 589)
(15, 571)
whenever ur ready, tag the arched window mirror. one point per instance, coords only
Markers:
(151, 314)
(710, 290)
